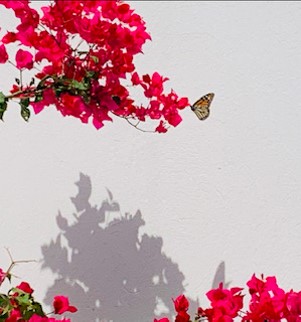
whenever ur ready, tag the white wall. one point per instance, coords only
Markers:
(227, 189)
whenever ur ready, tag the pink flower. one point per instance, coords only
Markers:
(155, 85)
(9, 37)
(174, 118)
(292, 310)
(267, 299)
(182, 316)
(24, 59)
(25, 287)
(136, 79)
(37, 318)
(84, 83)
(27, 36)
(3, 54)
(181, 306)
(14, 316)
(181, 303)
(2, 276)
(225, 304)
(61, 305)
(183, 102)
(48, 98)
(161, 128)
(161, 320)
(72, 105)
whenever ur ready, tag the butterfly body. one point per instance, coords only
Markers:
(201, 107)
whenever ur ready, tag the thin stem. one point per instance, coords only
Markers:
(21, 80)
(75, 49)
(13, 263)
(10, 62)
(24, 92)
(138, 128)
(52, 312)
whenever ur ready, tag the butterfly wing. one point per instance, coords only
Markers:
(201, 107)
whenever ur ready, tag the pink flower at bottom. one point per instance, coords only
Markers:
(293, 305)
(37, 318)
(14, 316)
(181, 303)
(61, 305)
(182, 317)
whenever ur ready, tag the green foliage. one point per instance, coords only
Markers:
(25, 112)
(25, 303)
(3, 105)
(5, 307)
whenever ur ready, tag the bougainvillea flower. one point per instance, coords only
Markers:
(25, 287)
(24, 59)
(2, 276)
(3, 54)
(181, 303)
(37, 318)
(182, 316)
(61, 305)
(84, 78)
(14, 316)
(225, 304)
(161, 128)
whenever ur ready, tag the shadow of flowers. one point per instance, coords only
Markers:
(105, 268)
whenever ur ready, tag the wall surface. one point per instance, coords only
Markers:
(122, 221)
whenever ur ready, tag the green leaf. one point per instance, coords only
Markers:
(6, 309)
(23, 298)
(37, 307)
(3, 107)
(38, 97)
(25, 112)
(8, 275)
(59, 90)
(27, 315)
(5, 305)
(42, 82)
(3, 300)
(79, 85)
(3, 317)
(91, 74)
(2, 98)
(24, 102)
(95, 59)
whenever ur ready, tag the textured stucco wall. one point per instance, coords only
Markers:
(227, 189)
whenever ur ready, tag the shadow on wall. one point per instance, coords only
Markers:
(220, 276)
(105, 269)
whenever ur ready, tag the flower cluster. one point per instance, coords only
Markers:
(18, 305)
(225, 304)
(84, 51)
(268, 302)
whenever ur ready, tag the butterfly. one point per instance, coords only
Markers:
(201, 106)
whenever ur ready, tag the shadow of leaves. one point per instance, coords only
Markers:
(105, 268)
